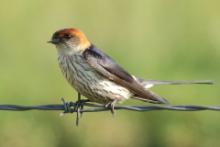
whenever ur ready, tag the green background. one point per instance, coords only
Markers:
(153, 39)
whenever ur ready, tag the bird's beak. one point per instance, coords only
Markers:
(54, 41)
(50, 41)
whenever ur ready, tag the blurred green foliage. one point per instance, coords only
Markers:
(153, 39)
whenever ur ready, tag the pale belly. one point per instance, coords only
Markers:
(89, 83)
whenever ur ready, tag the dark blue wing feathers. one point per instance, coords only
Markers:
(108, 63)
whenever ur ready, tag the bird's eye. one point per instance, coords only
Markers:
(67, 36)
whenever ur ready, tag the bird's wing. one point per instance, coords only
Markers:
(104, 65)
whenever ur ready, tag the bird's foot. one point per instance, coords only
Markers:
(111, 106)
(70, 107)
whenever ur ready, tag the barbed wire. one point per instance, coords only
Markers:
(70, 107)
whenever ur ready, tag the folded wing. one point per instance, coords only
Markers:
(104, 65)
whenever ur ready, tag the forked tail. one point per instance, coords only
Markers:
(150, 83)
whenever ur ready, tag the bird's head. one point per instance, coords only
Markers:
(69, 41)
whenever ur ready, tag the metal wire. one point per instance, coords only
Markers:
(68, 107)
(71, 107)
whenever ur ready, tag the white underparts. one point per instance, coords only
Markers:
(115, 88)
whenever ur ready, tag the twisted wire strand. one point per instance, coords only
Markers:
(68, 107)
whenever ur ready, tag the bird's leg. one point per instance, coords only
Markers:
(80, 102)
(79, 96)
(111, 106)
(78, 107)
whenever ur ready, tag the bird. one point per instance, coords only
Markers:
(99, 78)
